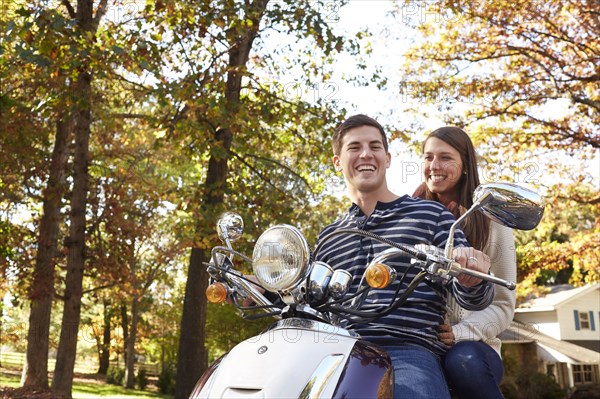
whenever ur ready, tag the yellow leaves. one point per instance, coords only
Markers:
(204, 242)
(402, 135)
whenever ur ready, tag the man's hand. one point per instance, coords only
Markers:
(471, 258)
(445, 334)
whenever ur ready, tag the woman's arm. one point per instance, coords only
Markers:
(491, 321)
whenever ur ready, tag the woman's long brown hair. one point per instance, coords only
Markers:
(476, 226)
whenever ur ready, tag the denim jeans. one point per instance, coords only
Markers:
(418, 373)
(474, 370)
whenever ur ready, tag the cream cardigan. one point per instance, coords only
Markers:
(485, 325)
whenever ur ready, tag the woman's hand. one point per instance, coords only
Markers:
(471, 258)
(445, 334)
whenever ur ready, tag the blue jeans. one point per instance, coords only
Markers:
(418, 373)
(474, 370)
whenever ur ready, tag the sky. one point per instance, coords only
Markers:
(391, 36)
(386, 105)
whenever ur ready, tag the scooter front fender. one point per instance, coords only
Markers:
(300, 359)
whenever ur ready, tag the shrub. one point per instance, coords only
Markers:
(115, 375)
(531, 385)
(166, 380)
(538, 385)
(141, 379)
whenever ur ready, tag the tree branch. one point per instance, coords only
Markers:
(98, 288)
(70, 8)
(258, 172)
(581, 200)
(100, 11)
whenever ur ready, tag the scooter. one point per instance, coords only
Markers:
(309, 352)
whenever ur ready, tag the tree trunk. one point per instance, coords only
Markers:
(35, 370)
(192, 355)
(130, 346)
(104, 358)
(125, 328)
(87, 25)
(2, 327)
(65, 360)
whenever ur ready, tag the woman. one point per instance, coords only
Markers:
(473, 364)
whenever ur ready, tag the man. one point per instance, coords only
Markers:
(409, 334)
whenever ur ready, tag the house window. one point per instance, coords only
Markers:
(584, 320)
(583, 373)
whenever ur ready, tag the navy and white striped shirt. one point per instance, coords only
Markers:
(410, 221)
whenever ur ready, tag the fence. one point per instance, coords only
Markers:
(17, 360)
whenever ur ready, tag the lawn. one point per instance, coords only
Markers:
(85, 387)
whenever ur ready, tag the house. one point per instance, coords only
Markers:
(561, 331)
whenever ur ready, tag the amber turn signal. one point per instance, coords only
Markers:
(216, 293)
(378, 275)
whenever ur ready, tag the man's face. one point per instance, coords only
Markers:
(363, 159)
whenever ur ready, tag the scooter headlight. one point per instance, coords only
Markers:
(281, 258)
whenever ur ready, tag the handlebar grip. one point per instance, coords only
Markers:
(456, 269)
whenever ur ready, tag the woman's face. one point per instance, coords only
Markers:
(443, 168)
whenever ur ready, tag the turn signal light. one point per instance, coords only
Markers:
(216, 293)
(379, 275)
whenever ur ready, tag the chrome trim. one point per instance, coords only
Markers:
(253, 293)
(319, 279)
(483, 198)
(294, 296)
(311, 325)
(505, 203)
(339, 284)
(320, 377)
(511, 205)
(456, 270)
(230, 227)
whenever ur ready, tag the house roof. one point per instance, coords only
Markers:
(520, 333)
(554, 300)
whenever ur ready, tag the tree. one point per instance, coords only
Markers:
(33, 102)
(87, 20)
(563, 249)
(222, 111)
(510, 61)
(523, 78)
(225, 115)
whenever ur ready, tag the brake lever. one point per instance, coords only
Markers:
(455, 270)
(440, 266)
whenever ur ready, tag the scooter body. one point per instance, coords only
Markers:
(308, 353)
(299, 358)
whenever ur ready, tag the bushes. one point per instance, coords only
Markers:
(141, 379)
(166, 380)
(532, 385)
(115, 375)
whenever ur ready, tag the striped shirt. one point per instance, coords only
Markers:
(409, 221)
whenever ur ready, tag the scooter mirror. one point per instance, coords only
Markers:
(230, 227)
(510, 205)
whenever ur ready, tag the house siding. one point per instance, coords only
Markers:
(589, 304)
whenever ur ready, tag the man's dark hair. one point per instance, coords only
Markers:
(353, 122)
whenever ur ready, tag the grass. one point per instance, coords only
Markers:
(90, 388)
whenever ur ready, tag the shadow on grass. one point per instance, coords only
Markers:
(88, 388)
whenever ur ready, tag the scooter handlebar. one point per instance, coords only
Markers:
(456, 269)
